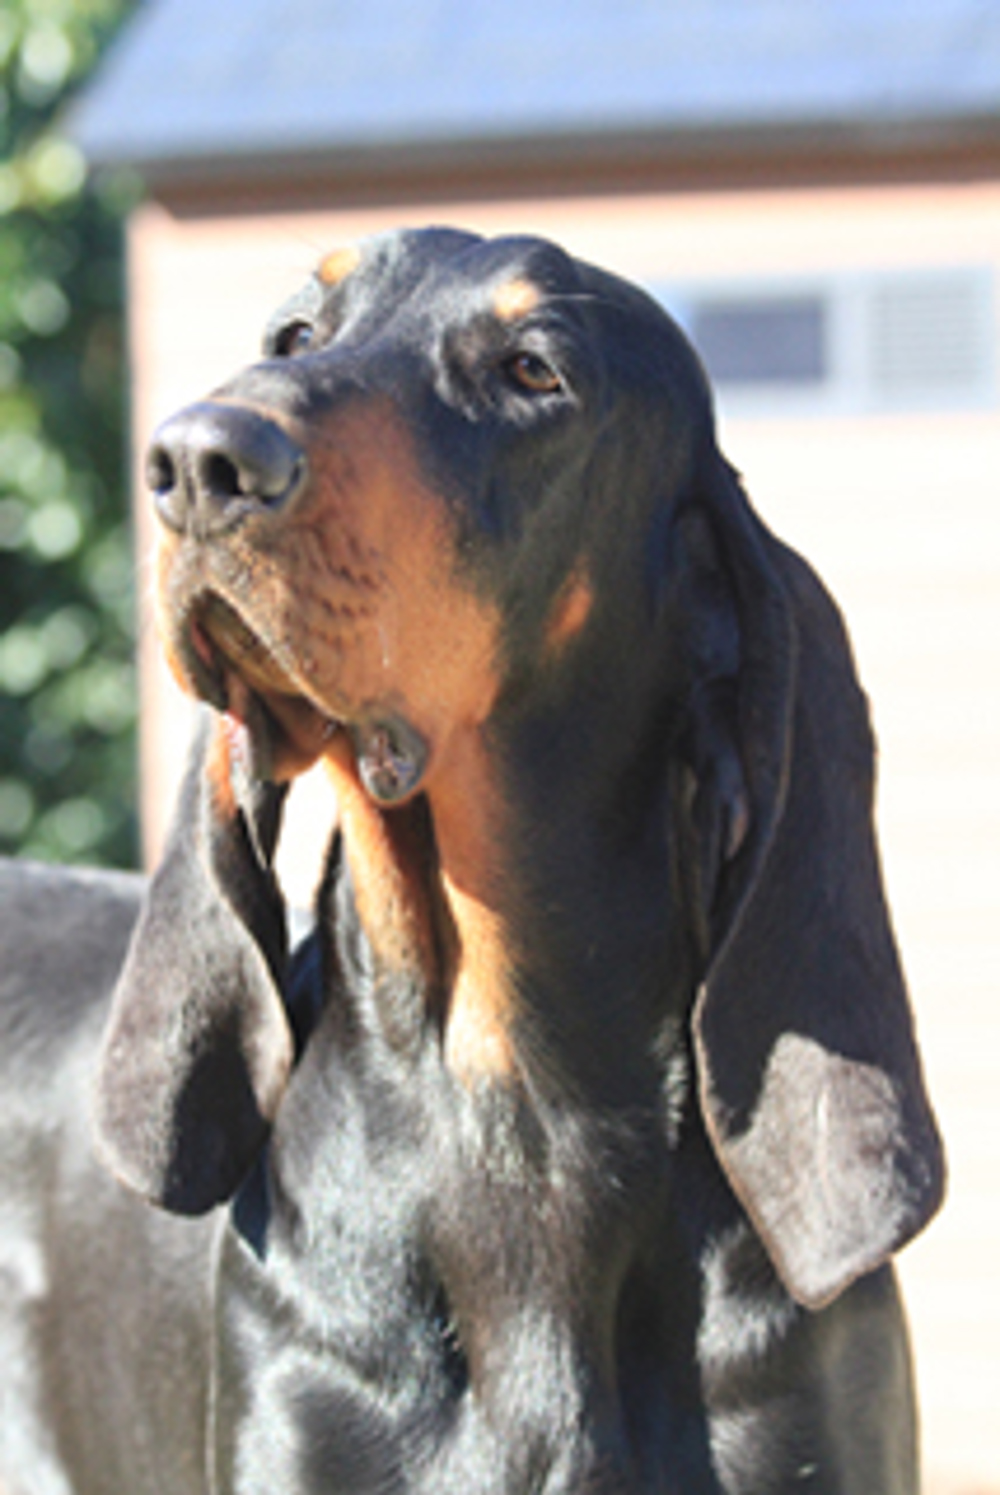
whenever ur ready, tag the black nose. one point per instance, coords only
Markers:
(213, 466)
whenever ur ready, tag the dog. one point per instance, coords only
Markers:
(568, 1152)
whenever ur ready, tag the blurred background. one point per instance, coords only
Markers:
(811, 186)
(67, 687)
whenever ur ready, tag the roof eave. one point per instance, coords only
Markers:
(571, 158)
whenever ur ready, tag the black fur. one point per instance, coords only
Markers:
(633, 1234)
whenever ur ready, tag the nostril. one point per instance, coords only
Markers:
(165, 478)
(161, 473)
(219, 476)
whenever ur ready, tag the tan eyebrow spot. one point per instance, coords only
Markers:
(339, 264)
(515, 298)
(570, 611)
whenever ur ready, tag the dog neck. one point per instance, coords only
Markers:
(490, 913)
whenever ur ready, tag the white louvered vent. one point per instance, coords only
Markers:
(929, 334)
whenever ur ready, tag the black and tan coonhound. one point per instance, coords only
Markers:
(567, 1154)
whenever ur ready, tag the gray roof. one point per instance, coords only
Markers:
(236, 79)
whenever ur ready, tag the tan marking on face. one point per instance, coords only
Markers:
(571, 609)
(392, 621)
(515, 299)
(166, 569)
(353, 593)
(339, 264)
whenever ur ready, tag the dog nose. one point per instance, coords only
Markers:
(213, 466)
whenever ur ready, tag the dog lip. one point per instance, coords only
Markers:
(220, 636)
(229, 666)
(199, 665)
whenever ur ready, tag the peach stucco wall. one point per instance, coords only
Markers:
(902, 516)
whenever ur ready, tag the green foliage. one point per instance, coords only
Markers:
(67, 687)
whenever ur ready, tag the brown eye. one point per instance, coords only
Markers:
(295, 338)
(534, 374)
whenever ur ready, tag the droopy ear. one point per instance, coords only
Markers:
(810, 1081)
(198, 1048)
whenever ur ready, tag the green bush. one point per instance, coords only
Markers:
(67, 683)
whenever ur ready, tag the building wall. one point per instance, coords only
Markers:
(900, 511)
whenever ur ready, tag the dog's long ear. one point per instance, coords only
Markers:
(198, 1048)
(811, 1085)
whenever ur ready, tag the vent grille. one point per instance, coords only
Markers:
(928, 335)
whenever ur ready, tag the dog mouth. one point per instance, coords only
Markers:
(281, 729)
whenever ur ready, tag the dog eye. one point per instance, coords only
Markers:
(295, 338)
(533, 374)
